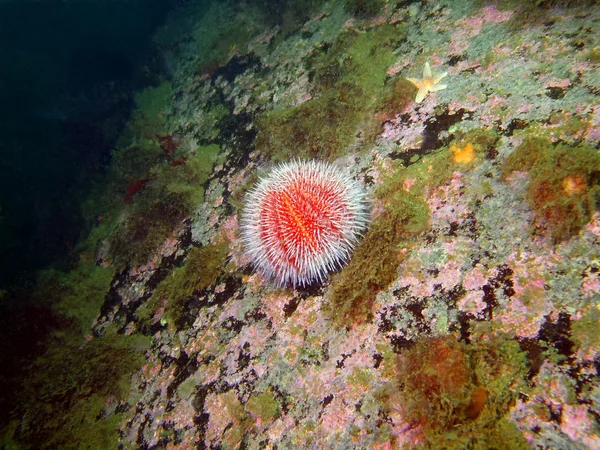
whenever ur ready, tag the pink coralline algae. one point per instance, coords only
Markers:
(407, 132)
(473, 301)
(447, 204)
(526, 310)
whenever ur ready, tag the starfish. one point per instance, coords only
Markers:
(428, 84)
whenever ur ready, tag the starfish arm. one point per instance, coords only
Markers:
(423, 90)
(426, 71)
(437, 87)
(414, 81)
(439, 77)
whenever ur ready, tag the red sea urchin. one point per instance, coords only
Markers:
(302, 222)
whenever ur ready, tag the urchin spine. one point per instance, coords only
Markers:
(265, 229)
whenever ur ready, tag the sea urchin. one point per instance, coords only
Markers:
(302, 222)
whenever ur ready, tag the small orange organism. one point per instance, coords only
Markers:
(478, 399)
(463, 155)
(574, 185)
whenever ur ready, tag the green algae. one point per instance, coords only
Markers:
(365, 9)
(264, 405)
(224, 31)
(68, 409)
(231, 38)
(80, 293)
(289, 15)
(361, 378)
(137, 239)
(186, 389)
(563, 185)
(526, 155)
(65, 399)
(593, 56)
(148, 117)
(170, 193)
(202, 268)
(241, 422)
(376, 258)
(388, 359)
(585, 332)
(536, 12)
(399, 94)
(483, 140)
(349, 78)
(137, 160)
(186, 179)
(58, 311)
(211, 120)
(159, 209)
(69, 393)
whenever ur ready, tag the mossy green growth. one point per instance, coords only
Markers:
(135, 161)
(289, 15)
(459, 394)
(585, 332)
(535, 12)
(230, 39)
(437, 168)
(375, 261)
(170, 196)
(483, 140)
(186, 179)
(350, 78)
(239, 419)
(365, 9)
(210, 120)
(563, 188)
(469, 148)
(593, 55)
(318, 128)
(56, 317)
(359, 59)
(148, 117)
(398, 96)
(137, 239)
(531, 150)
(264, 405)
(360, 378)
(66, 400)
(59, 311)
(202, 268)
(186, 389)
(388, 361)
(223, 31)
(79, 293)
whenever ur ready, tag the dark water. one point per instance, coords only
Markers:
(67, 70)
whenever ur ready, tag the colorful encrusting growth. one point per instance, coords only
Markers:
(463, 311)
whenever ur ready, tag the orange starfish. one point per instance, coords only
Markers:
(428, 83)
